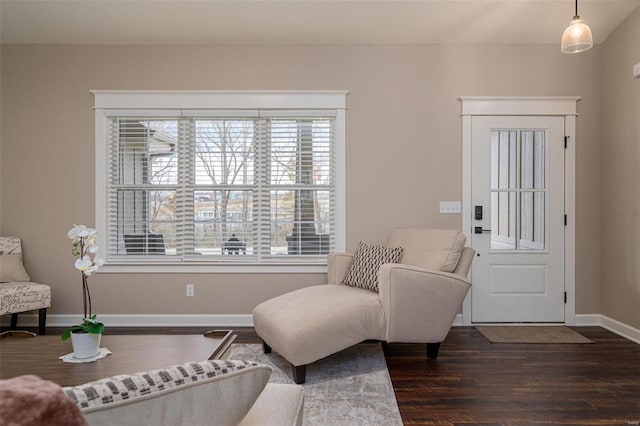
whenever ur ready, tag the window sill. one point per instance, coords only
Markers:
(214, 269)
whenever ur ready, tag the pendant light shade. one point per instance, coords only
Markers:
(577, 37)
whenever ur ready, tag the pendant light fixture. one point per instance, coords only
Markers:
(577, 37)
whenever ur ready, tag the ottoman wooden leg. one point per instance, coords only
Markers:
(299, 374)
(432, 350)
(266, 348)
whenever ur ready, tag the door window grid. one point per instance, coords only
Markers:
(518, 192)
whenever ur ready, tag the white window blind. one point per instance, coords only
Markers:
(221, 186)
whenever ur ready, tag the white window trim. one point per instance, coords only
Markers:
(154, 100)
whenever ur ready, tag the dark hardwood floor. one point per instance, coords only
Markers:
(474, 381)
(477, 382)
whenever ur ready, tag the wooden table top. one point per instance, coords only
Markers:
(130, 354)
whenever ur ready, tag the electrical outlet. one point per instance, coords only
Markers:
(190, 290)
(449, 207)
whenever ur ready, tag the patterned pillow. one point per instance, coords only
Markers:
(363, 272)
(11, 269)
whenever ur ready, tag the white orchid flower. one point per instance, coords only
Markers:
(91, 237)
(80, 231)
(91, 270)
(74, 232)
(84, 263)
(84, 246)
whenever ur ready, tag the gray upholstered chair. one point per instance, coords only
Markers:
(417, 302)
(17, 292)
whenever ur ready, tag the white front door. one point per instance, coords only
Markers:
(517, 195)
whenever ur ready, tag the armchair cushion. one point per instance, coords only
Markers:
(363, 271)
(12, 269)
(18, 297)
(438, 249)
(313, 322)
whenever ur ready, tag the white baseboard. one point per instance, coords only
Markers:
(586, 320)
(130, 320)
(246, 320)
(622, 329)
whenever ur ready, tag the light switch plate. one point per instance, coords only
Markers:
(636, 70)
(450, 207)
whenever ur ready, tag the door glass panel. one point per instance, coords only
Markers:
(504, 159)
(503, 220)
(526, 217)
(532, 165)
(518, 190)
(532, 221)
(539, 209)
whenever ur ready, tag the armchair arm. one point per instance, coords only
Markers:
(419, 305)
(337, 266)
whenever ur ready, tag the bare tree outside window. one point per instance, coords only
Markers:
(224, 161)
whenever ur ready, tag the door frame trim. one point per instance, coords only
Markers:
(562, 106)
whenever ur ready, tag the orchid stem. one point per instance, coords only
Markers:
(86, 296)
(86, 284)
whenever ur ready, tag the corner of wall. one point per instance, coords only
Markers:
(620, 133)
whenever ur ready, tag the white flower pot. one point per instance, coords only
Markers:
(85, 345)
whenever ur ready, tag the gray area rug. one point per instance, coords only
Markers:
(351, 387)
(531, 334)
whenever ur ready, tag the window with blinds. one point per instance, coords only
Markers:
(223, 186)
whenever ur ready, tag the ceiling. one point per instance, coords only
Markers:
(302, 21)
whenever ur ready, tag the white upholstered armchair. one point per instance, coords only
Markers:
(417, 302)
(17, 292)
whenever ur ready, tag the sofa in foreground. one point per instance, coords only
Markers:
(216, 393)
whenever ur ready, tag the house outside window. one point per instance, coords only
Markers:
(219, 180)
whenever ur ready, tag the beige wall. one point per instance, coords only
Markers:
(621, 174)
(403, 147)
(1, 139)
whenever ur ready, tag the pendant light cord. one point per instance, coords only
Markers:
(576, 15)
